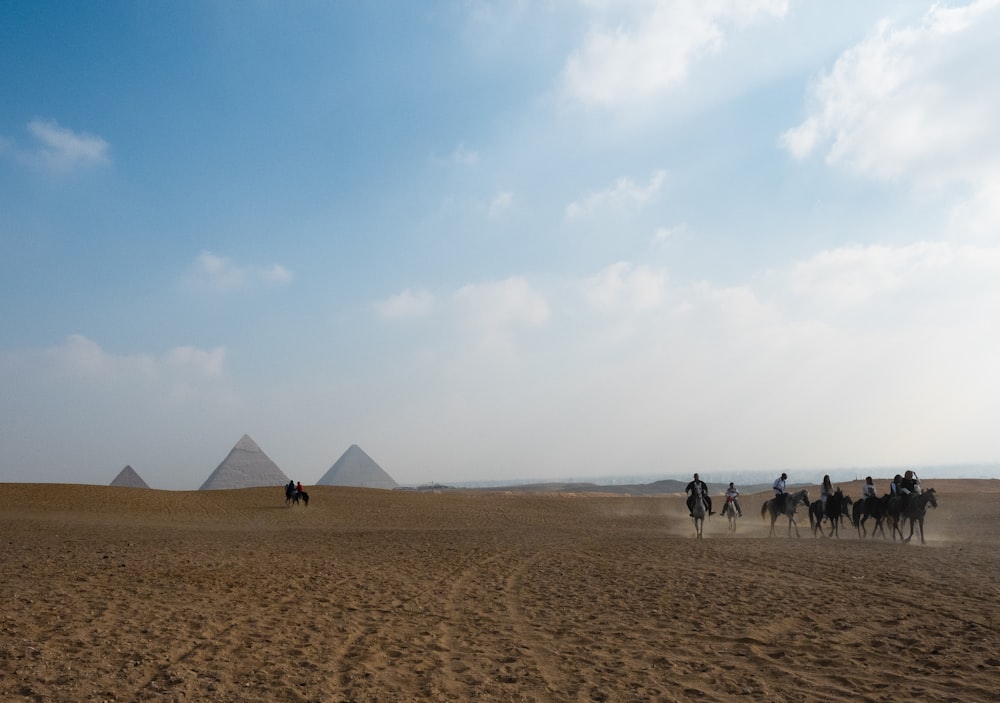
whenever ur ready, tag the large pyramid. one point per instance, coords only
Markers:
(128, 478)
(246, 466)
(355, 468)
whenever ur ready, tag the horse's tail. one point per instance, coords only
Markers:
(763, 509)
(305, 498)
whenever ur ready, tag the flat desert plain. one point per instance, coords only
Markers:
(120, 594)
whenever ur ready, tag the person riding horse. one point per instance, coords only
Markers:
(909, 485)
(868, 490)
(779, 491)
(732, 500)
(695, 490)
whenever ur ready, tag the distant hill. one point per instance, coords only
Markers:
(664, 487)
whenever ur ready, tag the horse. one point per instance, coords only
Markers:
(871, 507)
(914, 510)
(836, 507)
(785, 504)
(292, 497)
(698, 514)
(729, 510)
(816, 516)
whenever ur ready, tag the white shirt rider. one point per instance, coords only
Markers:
(868, 491)
(779, 485)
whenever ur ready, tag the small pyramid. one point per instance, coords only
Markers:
(128, 478)
(355, 468)
(246, 466)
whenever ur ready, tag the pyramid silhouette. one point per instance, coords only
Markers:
(246, 466)
(355, 468)
(128, 478)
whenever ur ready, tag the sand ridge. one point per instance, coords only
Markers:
(141, 595)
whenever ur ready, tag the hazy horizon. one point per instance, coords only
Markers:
(712, 477)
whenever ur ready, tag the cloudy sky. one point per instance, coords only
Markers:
(488, 240)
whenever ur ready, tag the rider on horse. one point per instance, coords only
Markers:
(732, 500)
(868, 490)
(779, 490)
(910, 485)
(697, 489)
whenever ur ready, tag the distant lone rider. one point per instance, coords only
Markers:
(697, 489)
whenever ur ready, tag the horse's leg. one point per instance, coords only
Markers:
(898, 527)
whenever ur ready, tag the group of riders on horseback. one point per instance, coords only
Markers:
(698, 489)
(901, 502)
(294, 493)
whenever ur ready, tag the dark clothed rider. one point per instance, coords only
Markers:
(894, 487)
(698, 489)
(908, 486)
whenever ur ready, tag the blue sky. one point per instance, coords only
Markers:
(489, 240)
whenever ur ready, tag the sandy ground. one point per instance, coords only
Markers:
(119, 594)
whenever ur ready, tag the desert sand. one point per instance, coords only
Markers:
(122, 594)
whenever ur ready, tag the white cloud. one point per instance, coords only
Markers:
(861, 342)
(82, 358)
(488, 315)
(624, 194)
(500, 203)
(623, 289)
(979, 215)
(662, 235)
(638, 49)
(499, 306)
(913, 104)
(925, 282)
(63, 150)
(405, 305)
(464, 156)
(220, 274)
